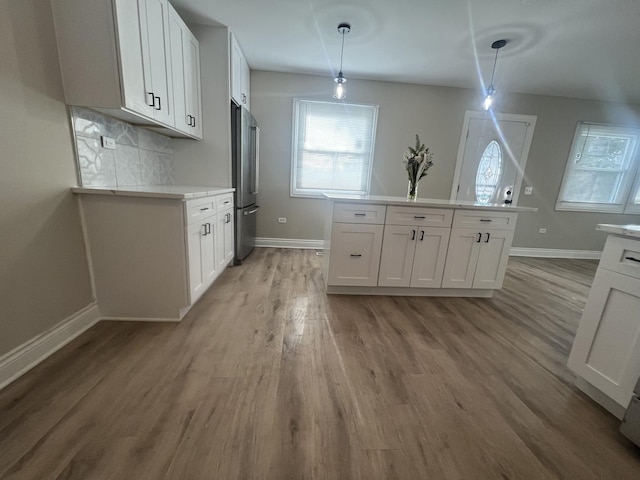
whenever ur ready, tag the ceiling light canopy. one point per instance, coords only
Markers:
(341, 93)
(491, 91)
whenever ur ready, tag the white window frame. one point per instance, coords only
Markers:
(630, 181)
(309, 193)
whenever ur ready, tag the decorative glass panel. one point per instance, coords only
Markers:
(489, 171)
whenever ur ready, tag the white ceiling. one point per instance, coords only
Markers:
(574, 48)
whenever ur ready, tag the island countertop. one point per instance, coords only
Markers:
(627, 230)
(181, 192)
(426, 202)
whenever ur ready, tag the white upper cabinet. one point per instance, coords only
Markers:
(185, 69)
(116, 57)
(240, 76)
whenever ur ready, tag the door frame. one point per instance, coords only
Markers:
(513, 117)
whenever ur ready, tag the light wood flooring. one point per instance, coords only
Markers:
(268, 378)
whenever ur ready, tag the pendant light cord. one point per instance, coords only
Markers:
(495, 61)
(342, 49)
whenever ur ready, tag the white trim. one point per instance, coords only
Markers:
(554, 253)
(140, 319)
(289, 243)
(410, 291)
(23, 358)
(526, 146)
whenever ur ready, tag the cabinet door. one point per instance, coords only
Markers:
(396, 262)
(195, 238)
(428, 262)
(246, 84)
(236, 71)
(606, 351)
(355, 254)
(228, 237)
(193, 88)
(462, 257)
(136, 76)
(179, 72)
(221, 222)
(493, 258)
(154, 28)
(209, 263)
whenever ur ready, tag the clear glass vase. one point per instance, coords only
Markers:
(412, 190)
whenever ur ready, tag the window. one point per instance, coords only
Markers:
(489, 171)
(332, 147)
(601, 170)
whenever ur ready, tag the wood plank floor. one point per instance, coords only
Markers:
(268, 378)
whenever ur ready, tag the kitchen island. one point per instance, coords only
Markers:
(379, 245)
(155, 250)
(606, 350)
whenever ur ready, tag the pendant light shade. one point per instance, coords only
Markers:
(491, 91)
(341, 92)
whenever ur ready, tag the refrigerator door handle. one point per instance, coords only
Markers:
(252, 211)
(256, 158)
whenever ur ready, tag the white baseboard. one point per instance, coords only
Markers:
(289, 243)
(515, 251)
(554, 253)
(140, 319)
(23, 358)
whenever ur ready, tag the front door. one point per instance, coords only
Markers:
(492, 156)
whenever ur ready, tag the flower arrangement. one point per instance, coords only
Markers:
(417, 161)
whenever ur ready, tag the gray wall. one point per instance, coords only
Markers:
(208, 162)
(44, 276)
(436, 114)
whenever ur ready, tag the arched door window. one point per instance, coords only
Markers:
(489, 170)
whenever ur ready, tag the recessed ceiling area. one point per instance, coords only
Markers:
(571, 48)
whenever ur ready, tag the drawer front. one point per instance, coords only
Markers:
(199, 208)
(419, 216)
(621, 255)
(485, 220)
(225, 201)
(359, 213)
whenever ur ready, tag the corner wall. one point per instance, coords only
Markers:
(44, 277)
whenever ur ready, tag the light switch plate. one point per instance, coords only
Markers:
(528, 190)
(542, 230)
(108, 142)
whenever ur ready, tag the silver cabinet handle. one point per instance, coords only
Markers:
(419, 216)
(359, 214)
(486, 220)
(488, 236)
(153, 99)
(479, 238)
(413, 234)
(633, 259)
(159, 107)
(356, 255)
(421, 235)
(204, 208)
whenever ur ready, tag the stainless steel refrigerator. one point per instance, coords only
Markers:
(245, 141)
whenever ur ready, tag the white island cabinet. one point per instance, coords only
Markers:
(606, 350)
(391, 246)
(155, 250)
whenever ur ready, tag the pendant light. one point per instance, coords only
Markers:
(341, 93)
(491, 91)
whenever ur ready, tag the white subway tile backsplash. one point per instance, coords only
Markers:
(141, 157)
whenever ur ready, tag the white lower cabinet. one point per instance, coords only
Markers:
(477, 258)
(606, 350)
(423, 249)
(203, 266)
(355, 254)
(413, 256)
(152, 257)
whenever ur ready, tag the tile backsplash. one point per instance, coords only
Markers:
(141, 157)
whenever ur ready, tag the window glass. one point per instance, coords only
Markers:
(489, 171)
(601, 169)
(332, 147)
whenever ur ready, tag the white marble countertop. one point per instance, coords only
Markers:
(183, 192)
(427, 202)
(627, 230)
